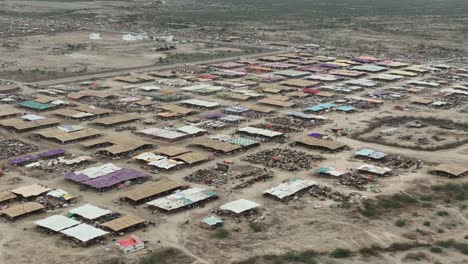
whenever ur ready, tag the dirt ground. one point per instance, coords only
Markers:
(301, 224)
(44, 57)
(59, 46)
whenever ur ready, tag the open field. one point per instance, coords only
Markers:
(45, 57)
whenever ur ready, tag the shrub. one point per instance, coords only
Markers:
(436, 250)
(416, 256)
(446, 243)
(370, 209)
(427, 223)
(426, 197)
(372, 251)
(255, 227)
(301, 257)
(221, 233)
(160, 257)
(400, 247)
(442, 213)
(400, 222)
(462, 248)
(340, 253)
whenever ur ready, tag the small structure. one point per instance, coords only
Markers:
(163, 133)
(56, 223)
(240, 206)
(345, 108)
(64, 136)
(331, 171)
(450, 170)
(104, 176)
(7, 197)
(289, 188)
(212, 222)
(21, 210)
(84, 233)
(150, 191)
(123, 223)
(374, 169)
(318, 143)
(369, 153)
(200, 103)
(183, 199)
(260, 132)
(60, 196)
(89, 212)
(131, 244)
(95, 36)
(30, 191)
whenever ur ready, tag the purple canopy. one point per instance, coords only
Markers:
(23, 160)
(315, 135)
(108, 180)
(52, 153)
(362, 60)
(328, 65)
(214, 115)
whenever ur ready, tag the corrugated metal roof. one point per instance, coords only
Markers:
(89, 211)
(84, 232)
(57, 223)
(289, 188)
(239, 206)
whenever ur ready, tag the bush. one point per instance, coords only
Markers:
(221, 233)
(442, 213)
(436, 250)
(416, 256)
(301, 257)
(427, 205)
(160, 257)
(255, 227)
(400, 222)
(446, 243)
(372, 251)
(400, 247)
(462, 248)
(426, 197)
(427, 223)
(370, 209)
(340, 253)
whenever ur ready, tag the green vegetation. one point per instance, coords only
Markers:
(415, 256)
(442, 213)
(427, 223)
(255, 227)
(304, 257)
(401, 247)
(340, 253)
(373, 208)
(436, 250)
(461, 247)
(165, 256)
(448, 193)
(400, 222)
(451, 190)
(221, 233)
(278, 11)
(372, 251)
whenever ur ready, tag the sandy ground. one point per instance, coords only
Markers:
(41, 57)
(302, 224)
